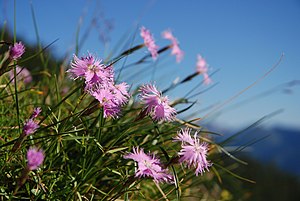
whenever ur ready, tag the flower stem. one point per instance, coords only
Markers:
(15, 71)
(161, 191)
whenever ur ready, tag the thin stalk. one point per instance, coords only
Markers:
(229, 100)
(102, 120)
(3, 30)
(53, 109)
(37, 36)
(77, 39)
(197, 85)
(161, 191)
(15, 71)
(119, 74)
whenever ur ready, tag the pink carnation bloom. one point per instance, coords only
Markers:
(193, 152)
(149, 42)
(121, 93)
(30, 127)
(107, 100)
(35, 158)
(149, 166)
(175, 45)
(111, 97)
(111, 110)
(202, 68)
(22, 75)
(90, 69)
(16, 51)
(157, 106)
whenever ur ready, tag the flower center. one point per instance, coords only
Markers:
(147, 164)
(162, 100)
(198, 148)
(92, 67)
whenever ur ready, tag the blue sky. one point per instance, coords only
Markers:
(241, 39)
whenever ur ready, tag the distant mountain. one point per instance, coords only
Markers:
(281, 146)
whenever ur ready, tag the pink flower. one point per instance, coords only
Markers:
(103, 94)
(16, 51)
(149, 166)
(175, 45)
(157, 106)
(202, 68)
(36, 112)
(177, 52)
(91, 69)
(121, 93)
(193, 152)
(111, 97)
(149, 42)
(107, 100)
(78, 67)
(30, 127)
(168, 35)
(22, 75)
(35, 158)
(111, 110)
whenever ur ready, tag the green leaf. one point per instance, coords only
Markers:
(116, 150)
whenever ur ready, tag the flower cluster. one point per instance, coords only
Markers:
(99, 82)
(175, 45)
(30, 125)
(149, 166)
(201, 65)
(153, 48)
(193, 152)
(156, 105)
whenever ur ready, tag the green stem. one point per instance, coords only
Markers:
(37, 36)
(16, 98)
(15, 71)
(102, 120)
(15, 24)
(161, 191)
